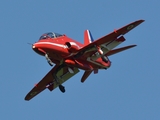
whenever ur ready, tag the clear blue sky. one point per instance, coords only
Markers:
(129, 90)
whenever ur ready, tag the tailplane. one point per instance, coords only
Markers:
(87, 37)
(119, 50)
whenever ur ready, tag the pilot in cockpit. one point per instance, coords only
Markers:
(50, 35)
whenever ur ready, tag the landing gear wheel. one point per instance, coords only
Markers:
(105, 59)
(62, 88)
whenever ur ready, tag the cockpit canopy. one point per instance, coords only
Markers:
(50, 35)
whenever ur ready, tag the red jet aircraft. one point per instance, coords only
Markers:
(69, 56)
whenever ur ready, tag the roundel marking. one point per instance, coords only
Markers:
(130, 27)
(33, 93)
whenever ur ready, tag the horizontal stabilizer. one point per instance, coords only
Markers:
(85, 75)
(119, 50)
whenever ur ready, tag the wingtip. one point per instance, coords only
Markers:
(26, 99)
(134, 45)
(141, 20)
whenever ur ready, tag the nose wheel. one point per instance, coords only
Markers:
(48, 60)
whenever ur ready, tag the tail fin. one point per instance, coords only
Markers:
(119, 50)
(87, 37)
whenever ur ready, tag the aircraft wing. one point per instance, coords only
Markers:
(108, 42)
(48, 81)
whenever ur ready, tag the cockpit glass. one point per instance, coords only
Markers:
(43, 37)
(50, 35)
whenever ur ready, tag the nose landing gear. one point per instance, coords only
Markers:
(48, 60)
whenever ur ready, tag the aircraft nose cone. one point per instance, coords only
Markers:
(38, 50)
(33, 46)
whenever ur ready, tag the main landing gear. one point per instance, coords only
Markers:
(57, 80)
(105, 59)
(62, 88)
